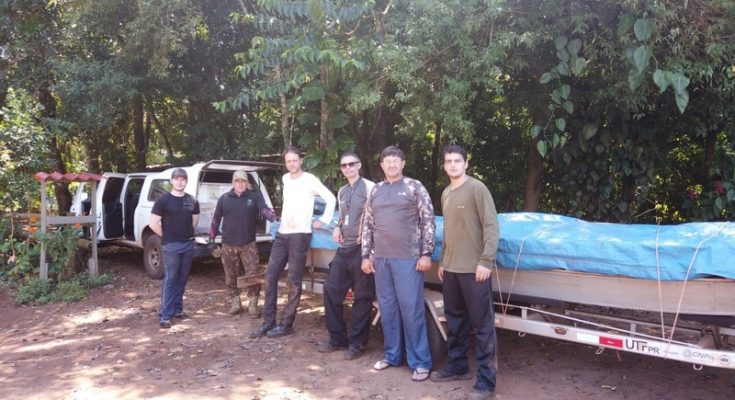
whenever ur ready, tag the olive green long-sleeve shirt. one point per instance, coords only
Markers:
(471, 228)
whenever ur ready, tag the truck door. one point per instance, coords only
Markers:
(133, 186)
(110, 212)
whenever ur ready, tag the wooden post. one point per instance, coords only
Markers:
(92, 262)
(44, 266)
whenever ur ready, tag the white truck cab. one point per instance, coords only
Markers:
(124, 203)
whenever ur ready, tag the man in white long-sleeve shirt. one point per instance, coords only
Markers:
(300, 189)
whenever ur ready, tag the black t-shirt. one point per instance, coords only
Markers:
(240, 216)
(176, 216)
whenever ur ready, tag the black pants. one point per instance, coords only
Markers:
(469, 304)
(345, 273)
(291, 249)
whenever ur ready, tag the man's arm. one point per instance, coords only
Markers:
(194, 221)
(155, 224)
(427, 225)
(329, 198)
(488, 216)
(368, 225)
(216, 219)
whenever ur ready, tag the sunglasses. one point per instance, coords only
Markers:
(349, 164)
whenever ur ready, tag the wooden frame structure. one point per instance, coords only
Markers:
(48, 220)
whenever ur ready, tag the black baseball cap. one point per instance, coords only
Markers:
(179, 172)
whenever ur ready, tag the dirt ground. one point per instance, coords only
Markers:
(110, 346)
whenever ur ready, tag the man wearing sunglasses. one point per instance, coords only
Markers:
(344, 270)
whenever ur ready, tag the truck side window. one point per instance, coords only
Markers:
(159, 187)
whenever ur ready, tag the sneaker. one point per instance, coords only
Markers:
(261, 331)
(280, 330)
(353, 353)
(326, 347)
(444, 375)
(478, 394)
(166, 323)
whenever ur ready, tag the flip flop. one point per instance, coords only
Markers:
(381, 365)
(420, 374)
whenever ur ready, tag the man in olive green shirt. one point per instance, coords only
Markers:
(471, 232)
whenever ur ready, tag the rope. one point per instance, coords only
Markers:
(660, 291)
(505, 304)
(686, 278)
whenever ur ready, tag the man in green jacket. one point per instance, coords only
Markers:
(471, 232)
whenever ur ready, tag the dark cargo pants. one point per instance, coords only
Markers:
(287, 249)
(345, 273)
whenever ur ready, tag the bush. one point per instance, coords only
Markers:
(70, 291)
(35, 291)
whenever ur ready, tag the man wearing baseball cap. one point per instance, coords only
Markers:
(173, 217)
(237, 210)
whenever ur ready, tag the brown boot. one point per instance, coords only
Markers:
(253, 308)
(235, 306)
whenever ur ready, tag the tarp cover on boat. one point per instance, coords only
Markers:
(548, 241)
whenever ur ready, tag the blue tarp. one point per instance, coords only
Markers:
(547, 241)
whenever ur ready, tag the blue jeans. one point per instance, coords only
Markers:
(177, 258)
(400, 291)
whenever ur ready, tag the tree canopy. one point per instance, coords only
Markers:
(608, 110)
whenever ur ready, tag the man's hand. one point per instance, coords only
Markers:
(367, 266)
(482, 274)
(316, 224)
(440, 273)
(424, 264)
(337, 235)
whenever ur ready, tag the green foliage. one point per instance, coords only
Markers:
(35, 291)
(715, 202)
(23, 151)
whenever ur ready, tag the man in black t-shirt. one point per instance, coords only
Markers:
(239, 207)
(174, 217)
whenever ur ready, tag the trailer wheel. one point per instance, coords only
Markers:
(437, 344)
(153, 257)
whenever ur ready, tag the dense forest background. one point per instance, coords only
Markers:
(608, 110)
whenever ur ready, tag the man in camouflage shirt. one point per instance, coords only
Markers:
(397, 242)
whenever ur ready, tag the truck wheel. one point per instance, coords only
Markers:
(437, 344)
(153, 257)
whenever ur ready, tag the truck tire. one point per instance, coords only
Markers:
(437, 344)
(153, 257)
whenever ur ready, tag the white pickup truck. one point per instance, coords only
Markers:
(124, 203)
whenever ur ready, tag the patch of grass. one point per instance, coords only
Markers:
(97, 281)
(70, 291)
(35, 291)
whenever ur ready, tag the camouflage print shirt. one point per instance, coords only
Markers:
(398, 221)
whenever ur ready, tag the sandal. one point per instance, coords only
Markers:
(381, 365)
(420, 374)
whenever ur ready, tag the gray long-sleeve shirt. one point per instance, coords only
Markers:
(398, 221)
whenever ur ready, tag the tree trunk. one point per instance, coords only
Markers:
(325, 133)
(139, 133)
(382, 134)
(161, 130)
(285, 126)
(61, 189)
(433, 174)
(532, 195)
(709, 159)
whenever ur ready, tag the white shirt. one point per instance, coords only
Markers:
(298, 203)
